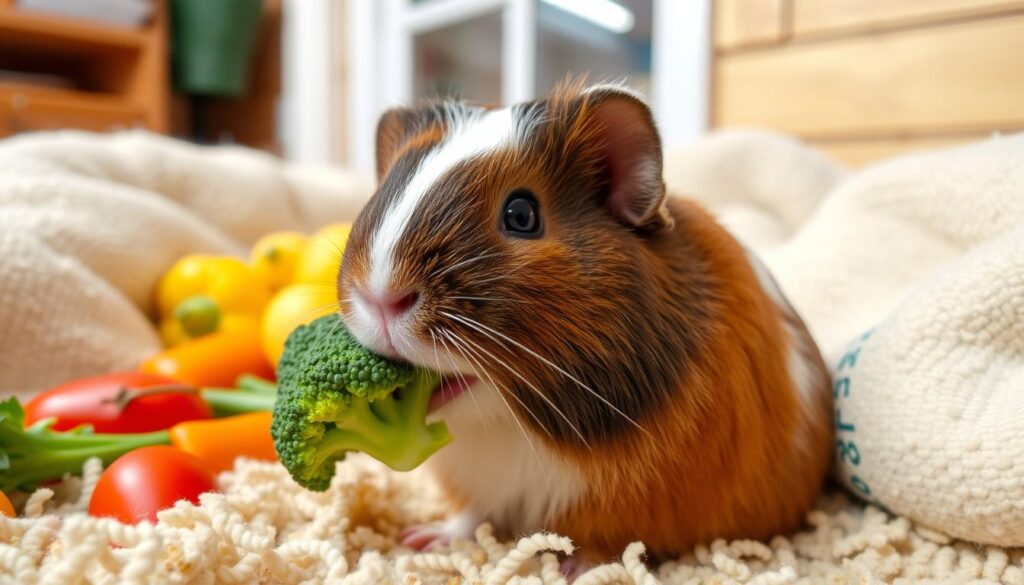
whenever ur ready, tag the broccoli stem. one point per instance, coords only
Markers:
(42, 455)
(414, 446)
(389, 429)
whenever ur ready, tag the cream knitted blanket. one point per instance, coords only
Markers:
(918, 264)
(88, 224)
(926, 252)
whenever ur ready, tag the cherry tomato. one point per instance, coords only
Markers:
(141, 483)
(6, 509)
(93, 401)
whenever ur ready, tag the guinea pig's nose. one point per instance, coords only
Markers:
(391, 304)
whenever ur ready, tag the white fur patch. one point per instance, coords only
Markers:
(467, 139)
(806, 378)
(506, 481)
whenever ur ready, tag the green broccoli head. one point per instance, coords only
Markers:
(335, 396)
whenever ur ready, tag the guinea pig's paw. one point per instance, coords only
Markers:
(573, 567)
(437, 534)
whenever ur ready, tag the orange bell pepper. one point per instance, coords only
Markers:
(6, 508)
(217, 359)
(218, 442)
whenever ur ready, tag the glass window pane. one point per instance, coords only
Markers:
(462, 60)
(605, 39)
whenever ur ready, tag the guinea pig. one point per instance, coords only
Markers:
(617, 366)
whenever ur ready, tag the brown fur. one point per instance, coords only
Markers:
(720, 460)
(679, 410)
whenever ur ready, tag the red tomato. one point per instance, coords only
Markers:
(141, 483)
(89, 401)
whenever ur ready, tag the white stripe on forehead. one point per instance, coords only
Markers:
(466, 139)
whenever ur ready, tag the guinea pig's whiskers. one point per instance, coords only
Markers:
(519, 424)
(336, 252)
(504, 364)
(484, 330)
(488, 299)
(503, 274)
(464, 263)
(460, 344)
(491, 279)
(315, 312)
(472, 396)
(309, 293)
(339, 323)
(437, 360)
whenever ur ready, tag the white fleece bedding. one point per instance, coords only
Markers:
(926, 251)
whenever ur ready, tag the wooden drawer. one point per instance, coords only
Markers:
(818, 16)
(23, 110)
(953, 78)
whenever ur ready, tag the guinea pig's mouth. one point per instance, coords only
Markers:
(452, 385)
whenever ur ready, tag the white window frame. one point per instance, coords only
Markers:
(305, 111)
(379, 42)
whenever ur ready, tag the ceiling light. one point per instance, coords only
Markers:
(604, 13)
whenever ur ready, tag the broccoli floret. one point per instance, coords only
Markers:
(335, 396)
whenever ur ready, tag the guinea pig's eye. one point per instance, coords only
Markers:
(521, 216)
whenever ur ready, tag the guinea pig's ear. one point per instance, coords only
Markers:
(629, 146)
(394, 128)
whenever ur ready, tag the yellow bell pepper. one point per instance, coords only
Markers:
(202, 294)
(294, 305)
(312, 291)
(320, 261)
(275, 257)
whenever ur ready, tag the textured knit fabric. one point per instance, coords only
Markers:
(927, 252)
(89, 223)
(930, 403)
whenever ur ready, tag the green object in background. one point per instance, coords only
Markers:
(213, 42)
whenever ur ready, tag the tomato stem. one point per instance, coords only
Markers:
(250, 383)
(228, 402)
(126, 394)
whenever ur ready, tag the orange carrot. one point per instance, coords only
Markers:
(6, 509)
(218, 442)
(217, 359)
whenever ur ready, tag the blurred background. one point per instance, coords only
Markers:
(307, 79)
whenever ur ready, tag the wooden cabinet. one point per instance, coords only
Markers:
(25, 108)
(112, 77)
